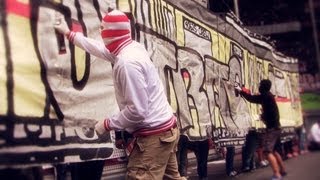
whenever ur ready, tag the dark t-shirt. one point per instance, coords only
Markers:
(270, 114)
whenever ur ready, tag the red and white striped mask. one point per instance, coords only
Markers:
(116, 31)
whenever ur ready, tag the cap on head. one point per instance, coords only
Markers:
(265, 86)
(116, 30)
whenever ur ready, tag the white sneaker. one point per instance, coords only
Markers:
(264, 163)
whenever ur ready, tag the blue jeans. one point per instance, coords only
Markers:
(229, 159)
(201, 151)
(182, 155)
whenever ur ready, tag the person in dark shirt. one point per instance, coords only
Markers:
(270, 117)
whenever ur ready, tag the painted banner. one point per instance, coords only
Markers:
(52, 93)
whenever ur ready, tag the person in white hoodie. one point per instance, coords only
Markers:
(144, 109)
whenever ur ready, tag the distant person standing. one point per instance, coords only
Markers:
(248, 150)
(201, 151)
(270, 117)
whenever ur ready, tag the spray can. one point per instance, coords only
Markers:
(61, 43)
(60, 37)
(236, 92)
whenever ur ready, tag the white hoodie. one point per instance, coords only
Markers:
(139, 90)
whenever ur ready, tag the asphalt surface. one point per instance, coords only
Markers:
(302, 167)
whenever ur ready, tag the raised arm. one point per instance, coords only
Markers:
(92, 46)
(251, 98)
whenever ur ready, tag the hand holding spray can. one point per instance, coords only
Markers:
(60, 37)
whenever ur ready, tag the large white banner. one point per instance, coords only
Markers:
(52, 93)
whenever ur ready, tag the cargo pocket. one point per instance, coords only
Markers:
(139, 143)
(171, 138)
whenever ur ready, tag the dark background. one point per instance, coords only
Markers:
(298, 43)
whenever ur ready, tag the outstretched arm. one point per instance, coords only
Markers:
(251, 98)
(92, 46)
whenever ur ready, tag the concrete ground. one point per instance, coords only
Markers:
(302, 167)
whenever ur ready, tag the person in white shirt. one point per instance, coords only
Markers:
(144, 109)
(314, 137)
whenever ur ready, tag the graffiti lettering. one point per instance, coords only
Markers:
(49, 100)
(196, 29)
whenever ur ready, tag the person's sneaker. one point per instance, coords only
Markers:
(276, 178)
(283, 174)
(253, 168)
(264, 163)
(233, 173)
(246, 169)
(303, 152)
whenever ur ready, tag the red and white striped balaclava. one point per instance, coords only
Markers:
(116, 31)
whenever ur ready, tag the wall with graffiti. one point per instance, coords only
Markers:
(52, 93)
